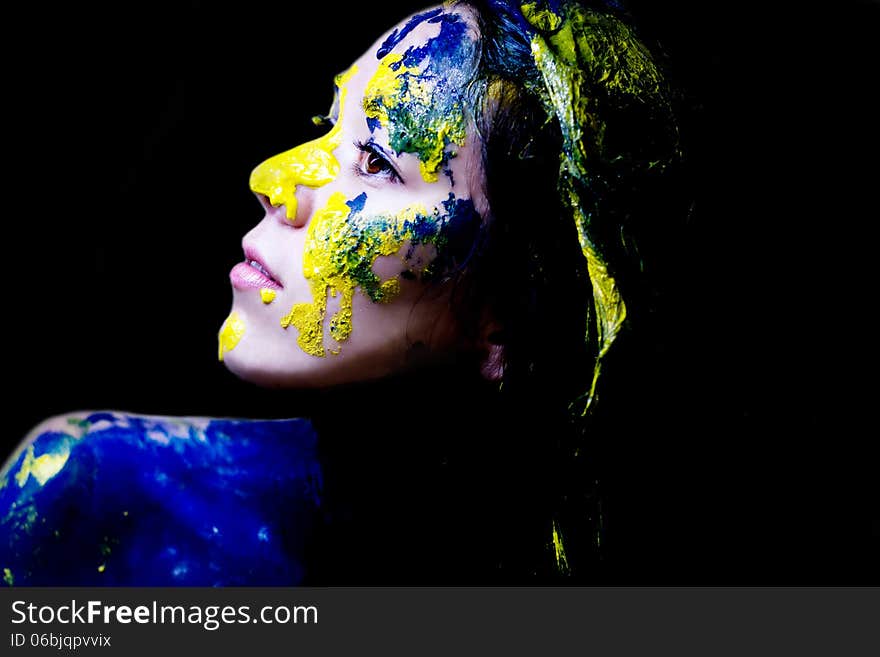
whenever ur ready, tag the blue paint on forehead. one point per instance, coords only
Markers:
(447, 47)
(399, 35)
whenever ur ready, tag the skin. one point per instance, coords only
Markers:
(361, 320)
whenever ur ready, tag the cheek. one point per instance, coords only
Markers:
(348, 249)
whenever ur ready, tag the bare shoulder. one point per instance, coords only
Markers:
(114, 498)
(45, 449)
(79, 424)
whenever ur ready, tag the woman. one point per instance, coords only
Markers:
(453, 261)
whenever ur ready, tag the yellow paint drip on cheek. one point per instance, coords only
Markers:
(339, 254)
(266, 295)
(230, 334)
(312, 164)
(309, 317)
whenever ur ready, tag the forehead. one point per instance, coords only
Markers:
(440, 38)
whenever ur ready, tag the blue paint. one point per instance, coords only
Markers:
(357, 203)
(231, 504)
(446, 48)
(446, 61)
(399, 35)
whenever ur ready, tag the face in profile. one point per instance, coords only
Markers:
(363, 227)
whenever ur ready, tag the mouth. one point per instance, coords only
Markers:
(253, 273)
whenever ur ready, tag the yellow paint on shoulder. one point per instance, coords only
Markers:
(43, 467)
(267, 295)
(102, 567)
(312, 164)
(230, 334)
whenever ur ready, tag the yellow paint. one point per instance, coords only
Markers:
(542, 18)
(336, 252)
(312, 164)
(43, 467)
(8, 577)
(102, 568)
(385, 87)
(267, 295)
(583, 56)
(559, 551)
(309, 317)
(385, 92)
(230, 334)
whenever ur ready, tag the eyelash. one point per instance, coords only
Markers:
(368, 149)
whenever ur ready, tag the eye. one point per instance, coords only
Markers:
(374, 163)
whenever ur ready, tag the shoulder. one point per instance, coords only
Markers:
(48, 447)
(160, 486)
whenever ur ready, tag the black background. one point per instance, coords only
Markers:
(131, 132)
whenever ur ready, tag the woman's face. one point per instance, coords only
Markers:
(344, 274)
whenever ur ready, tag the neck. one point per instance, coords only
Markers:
(422, 471)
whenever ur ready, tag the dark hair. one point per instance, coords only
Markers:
(501, 482)
(568, 203)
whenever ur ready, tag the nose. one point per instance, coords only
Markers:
(303, 208)
(283, 178)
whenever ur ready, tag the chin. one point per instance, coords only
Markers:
(268, 373)
(300, 370)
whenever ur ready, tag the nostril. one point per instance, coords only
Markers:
(264, 201)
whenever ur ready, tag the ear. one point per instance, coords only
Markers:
(492, 367)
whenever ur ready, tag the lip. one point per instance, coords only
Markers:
(245, 275)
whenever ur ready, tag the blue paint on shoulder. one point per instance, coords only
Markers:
(145, 501)
(101, 416)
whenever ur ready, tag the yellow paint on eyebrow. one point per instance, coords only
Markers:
(312, 164)
(336, 254)
(43, 467)
(267, 295)
(230, 334)
(385, 93)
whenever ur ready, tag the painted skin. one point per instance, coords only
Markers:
(112, 499)
(361, 224)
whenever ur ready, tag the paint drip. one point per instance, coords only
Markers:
(343, 243)
(230, 334)
(312, 164)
